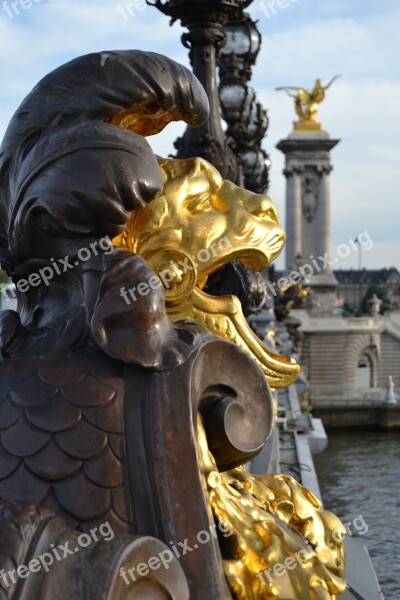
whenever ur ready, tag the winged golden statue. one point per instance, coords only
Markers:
(306, 103)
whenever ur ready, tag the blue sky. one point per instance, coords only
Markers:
(309, 38)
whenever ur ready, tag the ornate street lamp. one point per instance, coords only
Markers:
(205, 20)
(243, 42)
(247, 120)
(219, 34)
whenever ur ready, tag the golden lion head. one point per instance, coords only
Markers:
(197, 212)
(198, 223)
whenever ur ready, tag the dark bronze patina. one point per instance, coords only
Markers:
(98, 399)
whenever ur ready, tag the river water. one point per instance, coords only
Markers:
(359, 476)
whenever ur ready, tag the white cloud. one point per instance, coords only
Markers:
(51, 33)
(356, 38)
(361, 109)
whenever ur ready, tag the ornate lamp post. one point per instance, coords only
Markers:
(246, 118)
(220, 34)
(243, 42)
(205, 20)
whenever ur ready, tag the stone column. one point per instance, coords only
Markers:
(293, 215)
(325, 213)
(308, 217)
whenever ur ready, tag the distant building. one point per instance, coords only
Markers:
(353, 285)
(350, 359)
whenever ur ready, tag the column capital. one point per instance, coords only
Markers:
(293, 169)
(324, 169)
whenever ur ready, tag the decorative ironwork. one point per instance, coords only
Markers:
(185, 9)
(243, 42)
(246, 118)
(205, 20)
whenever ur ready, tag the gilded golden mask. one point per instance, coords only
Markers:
(197, 224)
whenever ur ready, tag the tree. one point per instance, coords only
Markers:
(380, 291)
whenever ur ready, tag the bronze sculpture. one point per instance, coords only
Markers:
(100, 397)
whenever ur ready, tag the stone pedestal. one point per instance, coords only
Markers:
(307, 172)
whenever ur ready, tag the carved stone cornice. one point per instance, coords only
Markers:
(294, 145)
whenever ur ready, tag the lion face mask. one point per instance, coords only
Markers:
(197, 224)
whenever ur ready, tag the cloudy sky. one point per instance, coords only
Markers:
(309, 38)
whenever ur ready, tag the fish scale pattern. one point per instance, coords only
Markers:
(61, 438)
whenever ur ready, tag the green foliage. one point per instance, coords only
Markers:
(3, 277)
(380, 291)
